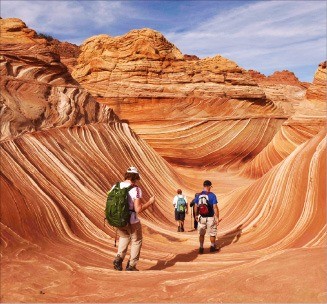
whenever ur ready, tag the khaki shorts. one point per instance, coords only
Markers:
(207, 223)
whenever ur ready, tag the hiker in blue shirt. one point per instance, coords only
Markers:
(207, 215)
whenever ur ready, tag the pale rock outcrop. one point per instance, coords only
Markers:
(143, 64)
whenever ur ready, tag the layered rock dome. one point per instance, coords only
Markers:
(66, 138)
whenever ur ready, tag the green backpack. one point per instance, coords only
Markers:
(181, 204)
(117, 208)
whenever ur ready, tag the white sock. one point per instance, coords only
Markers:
(213, 244)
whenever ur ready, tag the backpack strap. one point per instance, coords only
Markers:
(128, 189)
(131, 187)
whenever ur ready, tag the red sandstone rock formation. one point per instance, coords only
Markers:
(279, 77)
(68, 52)
(317, 91)
(37, 91)
(191, 57)
(144, 78)
(54, 247)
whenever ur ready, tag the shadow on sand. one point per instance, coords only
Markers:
(182, 257)
(230, 237)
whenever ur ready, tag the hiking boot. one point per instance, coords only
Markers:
(131, 268)
(201, 250)
(214, 249)
(179, 229)
(118, 263)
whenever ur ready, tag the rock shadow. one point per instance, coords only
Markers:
(230, 237)
(182, 257)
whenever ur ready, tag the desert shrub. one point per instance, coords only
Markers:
(45, 36)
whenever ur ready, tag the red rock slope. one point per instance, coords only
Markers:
(61, 151)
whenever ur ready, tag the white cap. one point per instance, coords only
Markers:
(132, 170)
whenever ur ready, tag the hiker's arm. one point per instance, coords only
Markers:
(216, 210)
(139, 207)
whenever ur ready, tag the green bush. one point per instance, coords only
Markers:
(45, 36)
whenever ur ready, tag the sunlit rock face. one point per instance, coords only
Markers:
(68, 52)
(14, 30)
(317, 91)
(306, 116)
(61, 151)
(37, 91)
(189, 110)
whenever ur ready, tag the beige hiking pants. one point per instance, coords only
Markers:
(131, 233)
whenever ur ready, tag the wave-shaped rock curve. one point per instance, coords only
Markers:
(61, 151)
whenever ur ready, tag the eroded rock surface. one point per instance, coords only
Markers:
(37, 90)
(168, 98)
(61, 151)
(317, 91)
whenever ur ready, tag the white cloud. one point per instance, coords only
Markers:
(266, 35)
(66, 17)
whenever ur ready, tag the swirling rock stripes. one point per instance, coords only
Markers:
(264, 150)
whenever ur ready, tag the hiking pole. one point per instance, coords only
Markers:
(191, 216)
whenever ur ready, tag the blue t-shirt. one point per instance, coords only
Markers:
(212, 201)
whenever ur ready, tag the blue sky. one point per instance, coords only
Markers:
(266, 36)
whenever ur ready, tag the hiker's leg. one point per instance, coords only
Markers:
(124, 239)
(136, 243)
(182, 225)
(202, 228)
(177, 218)
(201, 239)
(182, 218)
(212, 225)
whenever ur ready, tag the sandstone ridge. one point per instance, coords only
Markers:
(37, 90)
(264, 149)
(317, 91)
(143, 63)
(284, 77)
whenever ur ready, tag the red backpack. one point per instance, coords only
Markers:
(203, 205)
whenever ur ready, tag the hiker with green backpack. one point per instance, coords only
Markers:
(180, 204)
(124, 203)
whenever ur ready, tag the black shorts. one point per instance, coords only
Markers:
(179, 216)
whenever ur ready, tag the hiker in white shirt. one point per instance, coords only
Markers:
(180, 204)
(131, 233)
